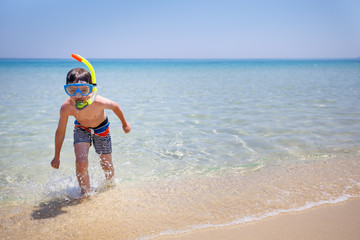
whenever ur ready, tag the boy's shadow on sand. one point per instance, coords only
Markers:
(53, 208)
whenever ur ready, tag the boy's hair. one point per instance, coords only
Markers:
(78, 75)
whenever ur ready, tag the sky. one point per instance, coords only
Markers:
(180, 29)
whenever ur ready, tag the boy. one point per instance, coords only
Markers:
(91, 125)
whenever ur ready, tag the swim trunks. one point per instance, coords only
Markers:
(99, 135)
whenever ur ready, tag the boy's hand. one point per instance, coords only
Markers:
(127, 127)
(55, 163)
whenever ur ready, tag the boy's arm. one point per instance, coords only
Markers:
(117, 110)
(59, 136)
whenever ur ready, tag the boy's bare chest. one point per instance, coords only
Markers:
(90, 117)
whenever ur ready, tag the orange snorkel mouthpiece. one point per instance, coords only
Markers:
(76, 57)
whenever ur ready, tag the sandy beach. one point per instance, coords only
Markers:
(90, 219)
(175, 209)
(337, 221)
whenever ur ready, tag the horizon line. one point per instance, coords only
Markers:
(189, 58)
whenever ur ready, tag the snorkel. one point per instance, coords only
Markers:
(80, 105)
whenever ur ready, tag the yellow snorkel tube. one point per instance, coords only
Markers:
(80, 105)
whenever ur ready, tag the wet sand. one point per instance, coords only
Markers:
(152, 210)
(332, 221)
(89, 219)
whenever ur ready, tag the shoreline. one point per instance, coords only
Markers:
(183, 208)
(329, 221)
(71, 219)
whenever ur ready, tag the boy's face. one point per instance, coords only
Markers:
(78, 97)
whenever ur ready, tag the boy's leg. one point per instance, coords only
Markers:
(107, 165)
(81, 154)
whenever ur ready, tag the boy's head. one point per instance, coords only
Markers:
(78, 75)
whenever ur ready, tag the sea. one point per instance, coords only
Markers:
(214, 143)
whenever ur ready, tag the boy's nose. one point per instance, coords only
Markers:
(78, 95)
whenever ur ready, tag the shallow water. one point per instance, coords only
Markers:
(213, 142)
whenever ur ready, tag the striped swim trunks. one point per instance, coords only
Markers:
(99, 135)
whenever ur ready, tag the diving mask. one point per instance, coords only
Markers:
(83, 89)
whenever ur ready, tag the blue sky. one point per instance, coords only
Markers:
(180, 29)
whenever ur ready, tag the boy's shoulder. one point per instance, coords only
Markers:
(67, 106)
(102, 100)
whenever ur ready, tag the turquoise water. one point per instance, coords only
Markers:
(190, 118)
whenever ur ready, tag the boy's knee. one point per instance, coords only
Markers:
(106, 164)
(81, 162)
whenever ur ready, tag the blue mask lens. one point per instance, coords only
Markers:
(82, 88)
